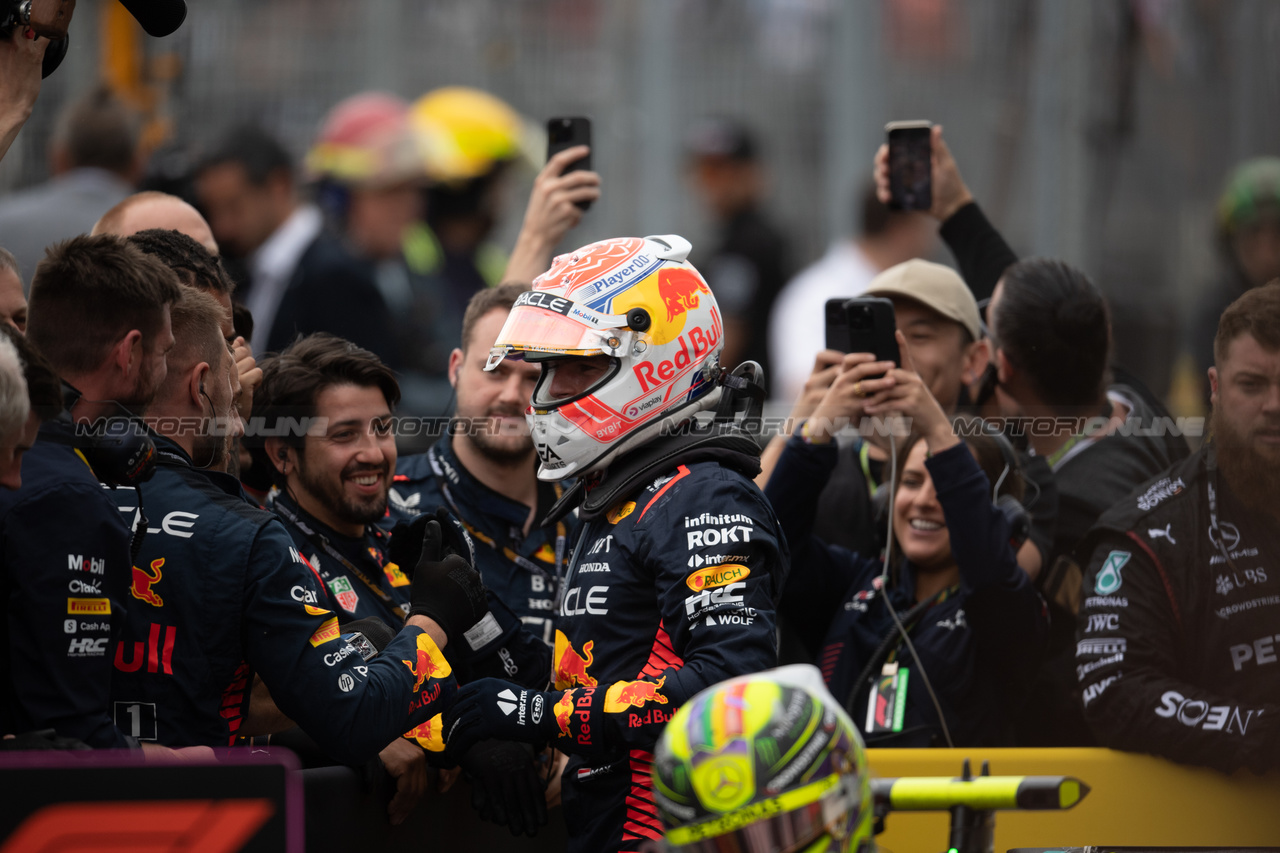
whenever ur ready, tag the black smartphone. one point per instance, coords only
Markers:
(910, 165)
(864, 324)
(565, 133)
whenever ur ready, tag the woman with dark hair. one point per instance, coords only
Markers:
(932, 646)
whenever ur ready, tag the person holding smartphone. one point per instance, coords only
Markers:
(952, 584)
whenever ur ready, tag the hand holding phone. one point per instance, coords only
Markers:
(863, 324)
(910, 165)
(565, 133)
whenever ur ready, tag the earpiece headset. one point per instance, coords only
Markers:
(117, 447)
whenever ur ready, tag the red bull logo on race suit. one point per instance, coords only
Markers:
(142, 583)
(633, 694)
(429, 662)
(571, 667)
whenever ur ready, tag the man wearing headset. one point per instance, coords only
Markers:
(1176, 640)
(100, 315)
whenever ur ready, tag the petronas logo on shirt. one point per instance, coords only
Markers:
(1109, 579)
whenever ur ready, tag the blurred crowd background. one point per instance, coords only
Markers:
(1097, 131)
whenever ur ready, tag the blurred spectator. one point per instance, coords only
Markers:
(100, 314)
(939, 317)
(300, 278)
(13, 304)
(1248, 234)
(145, 210)
(470, 138)
(15, 411)
(20, 66)
(44, 398)
(1176, 638)
(976, 620)
(796, 325)
(750, 263)
(370, 177)
(93, 158)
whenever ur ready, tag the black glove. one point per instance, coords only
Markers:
(505, 787)
(446, 587)
(493, 708)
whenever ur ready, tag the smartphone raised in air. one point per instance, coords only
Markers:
(910, 165)
(863, 324)
(565, 133)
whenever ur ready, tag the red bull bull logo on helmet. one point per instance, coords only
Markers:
(678, 289)
(633, 694)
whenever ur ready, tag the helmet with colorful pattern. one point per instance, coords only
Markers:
(644, 306)
(764, 763)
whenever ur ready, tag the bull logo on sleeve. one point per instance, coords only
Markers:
(633, 694)
(140, 587)
(571, 667)
(429, 663)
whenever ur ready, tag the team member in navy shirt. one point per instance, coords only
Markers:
(973, 616)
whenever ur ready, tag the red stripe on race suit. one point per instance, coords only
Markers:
(684, 472)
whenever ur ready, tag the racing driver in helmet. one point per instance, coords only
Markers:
(675, 578)
(764, 763)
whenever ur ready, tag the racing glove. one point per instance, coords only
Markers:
(493, 708)
(446, 586)
(505, 787)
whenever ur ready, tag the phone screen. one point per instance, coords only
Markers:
(910, 168)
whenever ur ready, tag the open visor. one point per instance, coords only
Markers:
(552, 325)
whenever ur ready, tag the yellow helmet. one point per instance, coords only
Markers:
(465, 132)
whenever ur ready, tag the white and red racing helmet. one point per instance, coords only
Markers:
(644, 306)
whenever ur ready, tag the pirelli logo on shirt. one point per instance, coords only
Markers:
(89, 606)
(326, 632)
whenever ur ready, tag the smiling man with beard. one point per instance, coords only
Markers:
(331, 460)
(1177, 642)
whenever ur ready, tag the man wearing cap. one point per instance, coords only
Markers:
(937, 313)
(750, 264)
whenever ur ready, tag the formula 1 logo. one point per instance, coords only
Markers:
(142, 583)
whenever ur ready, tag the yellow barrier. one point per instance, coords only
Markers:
(1135, 800)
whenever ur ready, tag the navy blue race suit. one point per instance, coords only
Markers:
(361, 583)
(978, 642)
(521, 571)
(358, 580)
(64, 586)
(219, 594)
(1176, 651)
(672, 588)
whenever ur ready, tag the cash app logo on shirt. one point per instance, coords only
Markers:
(1109, 575)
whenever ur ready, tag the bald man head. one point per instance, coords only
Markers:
(144, 210)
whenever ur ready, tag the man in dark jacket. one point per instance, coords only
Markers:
(1176, 646)
(297, 278)
(100, 315)
(674, 580)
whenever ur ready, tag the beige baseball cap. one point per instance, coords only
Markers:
(933, 286)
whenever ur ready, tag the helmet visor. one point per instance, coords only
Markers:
(542, 323)
(789, 822)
